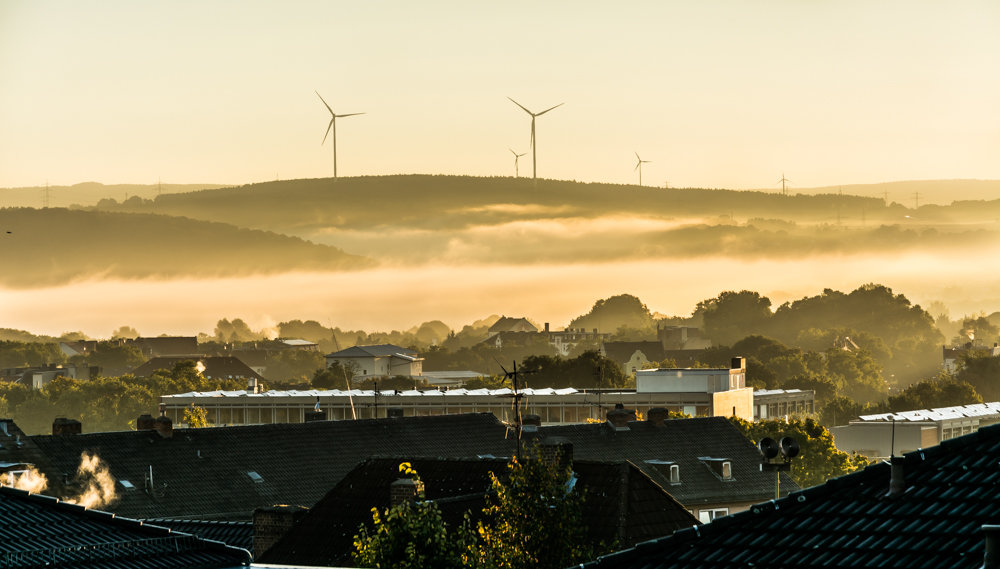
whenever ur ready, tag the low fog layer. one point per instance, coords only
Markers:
(398, 298)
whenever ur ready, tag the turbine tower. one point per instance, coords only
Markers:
(638, 166)
(782, 182)
(333, 126)
(516, 156)
(534, 158)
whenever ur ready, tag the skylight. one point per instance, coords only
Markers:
(255, 477)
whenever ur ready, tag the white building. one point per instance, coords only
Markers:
(726, 388)
(383, 360)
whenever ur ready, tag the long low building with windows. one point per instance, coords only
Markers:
(694, 392)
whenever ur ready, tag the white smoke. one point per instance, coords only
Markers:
(98, 485)
(30, 480)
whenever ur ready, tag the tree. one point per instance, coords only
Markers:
(125, 332)
(734, 315)
(293, 365)
(982, 371)
(623, 311)
(943, 391)
(195, 417)
(337, 376)
(589, 369)
(818, 460)
(533, 518)
(412, 535)
(979, 329)
(840, 411)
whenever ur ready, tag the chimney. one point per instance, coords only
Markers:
(657, 415)
(546, 327)
(557, 450)
(252, 386)
(897, 482)
(271, 524)
(164, 426)
(405, 490)
(145, 423)
(64, 426)
(619, 417)
(991, 555)
(530, 423)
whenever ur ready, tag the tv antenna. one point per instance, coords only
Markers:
(515, 396)
(333, 127)
(638, 166)
(534, 157)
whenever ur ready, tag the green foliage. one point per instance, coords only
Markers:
(29, 354)
(195, 417)
(337, 376)
(588, 370)
(982, 371)
(943, 391)
(293, 365)
(734, 315)
(112, 357)
(412, 535)
(818, 460)
(235, 331)
(533, 520)
(104, 403)
(980, 328)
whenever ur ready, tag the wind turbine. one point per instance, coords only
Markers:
(782, 182)
(516, 156)
(333, 126)
(534, 160)
(638, 166)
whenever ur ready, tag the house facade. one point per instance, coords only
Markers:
(382, 360)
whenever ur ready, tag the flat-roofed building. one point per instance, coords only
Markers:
(885, 434)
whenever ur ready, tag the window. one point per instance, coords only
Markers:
(706, 516)
(675, 474)
(727, 470)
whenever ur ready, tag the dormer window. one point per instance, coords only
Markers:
(668, 468)
(721, 467)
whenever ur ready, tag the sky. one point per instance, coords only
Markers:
(713, 93)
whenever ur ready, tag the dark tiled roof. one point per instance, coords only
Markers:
(682, 442)
(204, 473)
(951, 490)
(506, 324)
(621, 504)
(38, 531)
(236, 534)
(379, 350)
(216, 367)
(168, 345)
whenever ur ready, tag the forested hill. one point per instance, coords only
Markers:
(432, 202)
(57, 246)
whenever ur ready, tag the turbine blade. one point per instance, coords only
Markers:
(522, 107)
(637, 166)
(512, 151)
(549, 109)
(349, 115)
(329, 127)
(324, 103)
(637, 156)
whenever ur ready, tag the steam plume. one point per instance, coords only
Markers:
(98, 485)
(31, 480)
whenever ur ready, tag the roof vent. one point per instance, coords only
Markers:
(255, 477)
(897, 480)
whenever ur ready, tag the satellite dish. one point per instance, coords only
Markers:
(768, 447)
(789, 447)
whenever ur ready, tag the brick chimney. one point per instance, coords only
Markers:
(657, 415)
(619, 417)
(557, 450)
(145, 423)
(405, 490)
(271, 524)
(164, 426)
(64, 426)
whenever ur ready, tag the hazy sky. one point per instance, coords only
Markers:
(714, 93)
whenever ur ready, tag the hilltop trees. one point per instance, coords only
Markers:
(621, 312)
